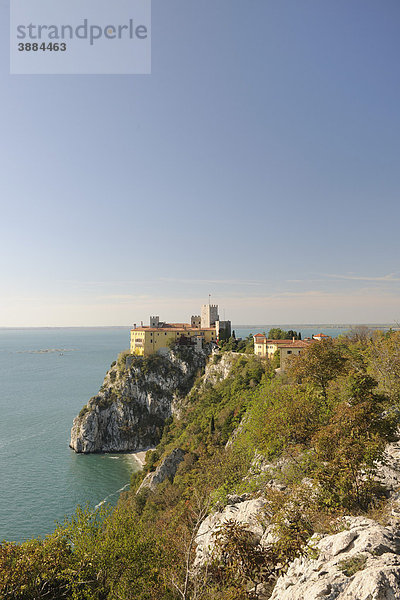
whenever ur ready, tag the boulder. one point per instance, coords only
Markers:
(358, 563)
(248, 512)
(166, 470)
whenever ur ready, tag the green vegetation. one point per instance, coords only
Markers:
(322, 363)
(242, 345)
(277, 333)
(83, 411)
(121, 360)
(320, 430)
(350, 566)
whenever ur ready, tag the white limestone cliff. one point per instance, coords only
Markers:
(360, 563)
(134, 401)
(166, 470)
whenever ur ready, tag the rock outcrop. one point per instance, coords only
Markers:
(388, 472)
(134, 401)
(359, 563)
(219, 367)
(242, 510)
(166, 470)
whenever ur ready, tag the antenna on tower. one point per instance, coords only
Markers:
(209, 299)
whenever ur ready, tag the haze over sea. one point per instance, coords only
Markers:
(46, 377)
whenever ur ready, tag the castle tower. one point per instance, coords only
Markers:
(209, 315)
(195, 321)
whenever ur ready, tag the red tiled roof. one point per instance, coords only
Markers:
(294, 344)
(291, 343)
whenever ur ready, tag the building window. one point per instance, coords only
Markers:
(289, 352)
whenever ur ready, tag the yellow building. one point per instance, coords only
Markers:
(147, 340)
(260, 347)
(287, 348)
(290, 349)
(202, 329)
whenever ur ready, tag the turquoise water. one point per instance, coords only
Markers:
(46, 376)
(41, 478)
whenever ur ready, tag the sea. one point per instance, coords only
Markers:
(46, 377)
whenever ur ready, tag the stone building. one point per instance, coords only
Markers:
(286, 348)
(158, 335)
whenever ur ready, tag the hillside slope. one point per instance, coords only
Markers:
(261, 486)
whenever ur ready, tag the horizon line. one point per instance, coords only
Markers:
(239, 326)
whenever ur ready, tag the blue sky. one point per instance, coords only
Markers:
(257, 163)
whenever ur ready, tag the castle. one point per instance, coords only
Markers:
(158, 336)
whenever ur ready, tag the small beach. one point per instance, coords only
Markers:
(140, 456)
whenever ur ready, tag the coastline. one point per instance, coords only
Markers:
(140, 456)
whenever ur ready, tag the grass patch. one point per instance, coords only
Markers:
(352, 565)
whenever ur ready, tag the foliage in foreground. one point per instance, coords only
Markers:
(322, 428)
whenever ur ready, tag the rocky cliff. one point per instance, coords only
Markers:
(166, 470)
(219, 367)
(359, 562)
(136, 398)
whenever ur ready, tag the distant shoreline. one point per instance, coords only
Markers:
(68, 327)
(234, 326)
(321, 325)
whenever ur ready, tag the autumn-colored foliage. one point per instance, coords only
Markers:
(321, 430)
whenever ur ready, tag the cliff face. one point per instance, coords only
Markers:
(166, 470)
(359, 562)
(219, 367)
(134, 401)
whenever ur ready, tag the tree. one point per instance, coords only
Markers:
(293, 334)
(349, 446)
(241, 562)
(212, 425)
(384, 357)
(359, 333)
(276, 333)
(37, 569)
(318, 364)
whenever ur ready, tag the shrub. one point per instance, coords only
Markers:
(352, 565)
(282, 417)
(121, 360)
(319, 364)
(350, 445)
(83, 411)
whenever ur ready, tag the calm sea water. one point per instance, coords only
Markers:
(41, 478)
(46, 376)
